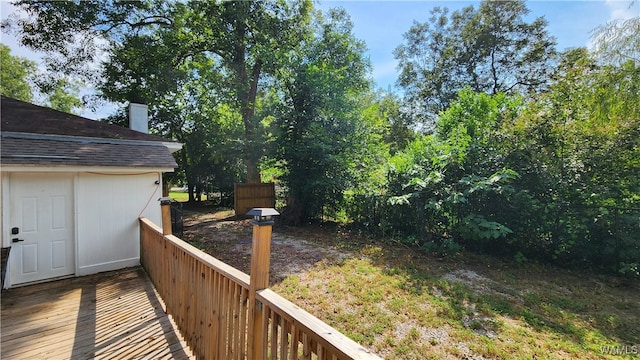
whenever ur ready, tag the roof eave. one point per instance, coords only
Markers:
(173, 146)
(84, 169)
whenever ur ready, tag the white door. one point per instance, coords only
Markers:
(41, 228)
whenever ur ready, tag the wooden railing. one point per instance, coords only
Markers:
(206, 297)
(208, 300)
(295, 334)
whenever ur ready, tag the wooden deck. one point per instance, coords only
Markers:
(114, 315)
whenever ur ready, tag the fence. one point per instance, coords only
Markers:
(208, 300)
(253, 195)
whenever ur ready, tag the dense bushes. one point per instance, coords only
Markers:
(551, 179)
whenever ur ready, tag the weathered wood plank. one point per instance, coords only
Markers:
(104, 316)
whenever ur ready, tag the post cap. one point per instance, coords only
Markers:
(263, 212)
(263, 216)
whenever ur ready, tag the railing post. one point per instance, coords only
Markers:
(165, 204)
(259, 277)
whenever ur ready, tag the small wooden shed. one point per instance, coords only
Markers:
(72, 190)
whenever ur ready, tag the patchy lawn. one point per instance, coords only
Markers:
(183, 196)
(408, 305)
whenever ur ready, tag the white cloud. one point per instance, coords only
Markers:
(623, 9)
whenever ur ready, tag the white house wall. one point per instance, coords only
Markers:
(107, 210)
(4, 205)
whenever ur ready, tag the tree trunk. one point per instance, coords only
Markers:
(187, 173)
(252, 148)
(190, 188)
(292, 214)
(246, 92)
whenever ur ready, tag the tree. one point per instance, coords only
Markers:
(576, 149)
(399, 125)
(456, 183)
(76, 34)
(185, 103)
(618, 42)
(319, 124)
(64, 96)
(17, 76)
(491, 49)
(242, 39)
(14, 75)
(247, 39)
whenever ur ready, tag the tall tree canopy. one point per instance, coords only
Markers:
(18, 80)
(74, 34)
(63, 96)
(319, 124)
(246, 38)
(491, 49)
(152, 39)
(618, 41)
(14, 74)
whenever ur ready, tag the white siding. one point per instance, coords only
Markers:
(4, 208)
(108, 207)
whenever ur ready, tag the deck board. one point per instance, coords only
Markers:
(113, 315)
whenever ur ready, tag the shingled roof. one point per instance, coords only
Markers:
(40, 136)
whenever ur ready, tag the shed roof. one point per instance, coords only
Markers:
(23, 117)
(36, 135)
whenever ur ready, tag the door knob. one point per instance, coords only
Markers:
(15, 240)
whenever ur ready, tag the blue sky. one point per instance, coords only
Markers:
(381, 24)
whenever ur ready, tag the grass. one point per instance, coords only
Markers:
(183, 196)
(405, 305)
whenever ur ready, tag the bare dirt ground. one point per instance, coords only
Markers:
(293, 250)
(228, 239)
